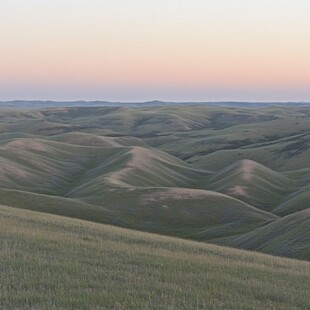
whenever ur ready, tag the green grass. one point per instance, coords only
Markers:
(29, 163)
(276, 154)
(294, 203)
(207, 216)
(160, 169)
(75, 208)
(254, 184)
(51, 262)
(288, 236)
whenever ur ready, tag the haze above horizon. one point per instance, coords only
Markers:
(171, 50)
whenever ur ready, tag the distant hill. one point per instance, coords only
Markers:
(28, 104)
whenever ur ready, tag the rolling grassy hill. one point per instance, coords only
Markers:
(288, 236)
(34, 161)
(286, 154)
(298, 201)
(205, 173)
(196, 214)
(52, 262)
(254, 183)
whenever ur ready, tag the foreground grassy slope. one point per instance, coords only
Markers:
(51, 262)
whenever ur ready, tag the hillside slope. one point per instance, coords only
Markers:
(288, 236)
(54, 262)
(253, 183)
(195, 214)
(298, 201)
(50, 167)
(206, 173)
(139, 167)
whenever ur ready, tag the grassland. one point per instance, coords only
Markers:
(211, 174)
(288, 236)
(53, 262)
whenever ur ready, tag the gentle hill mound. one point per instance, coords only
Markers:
(150, 167)
(288, 236)
(43, 166)
(195, 214)
(54, 167)
(183, 212)
(139, 167)
(50, 262)
(209, 214)
(253, 183)
(296, 202)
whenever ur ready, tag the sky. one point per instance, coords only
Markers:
(138, 50)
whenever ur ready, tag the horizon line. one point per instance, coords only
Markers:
(156, 100)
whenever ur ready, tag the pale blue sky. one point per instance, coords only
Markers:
(143, 50)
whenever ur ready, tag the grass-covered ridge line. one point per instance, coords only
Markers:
(49, 262)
